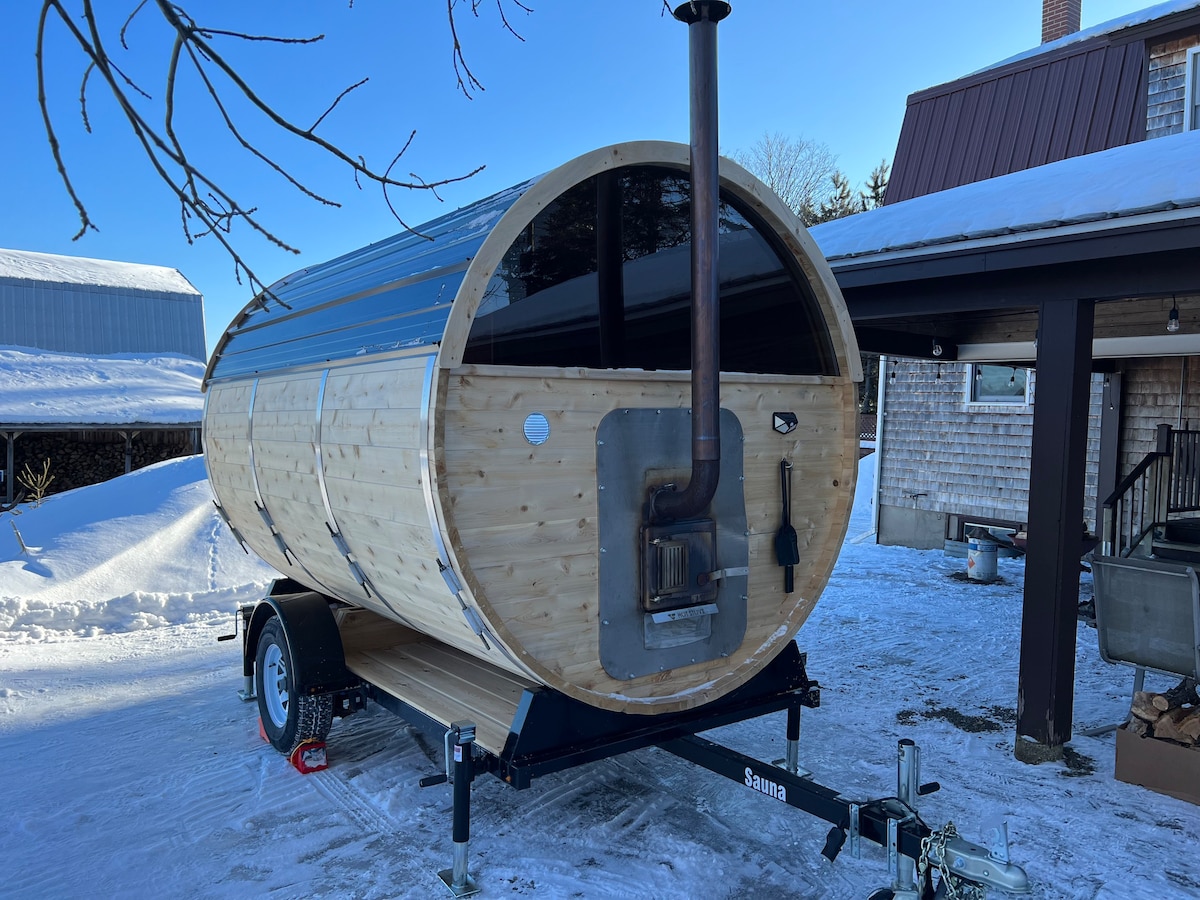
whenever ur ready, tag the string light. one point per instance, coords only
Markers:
(1173, 317)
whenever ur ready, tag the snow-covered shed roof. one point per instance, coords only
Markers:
(38, 387)
(98, 307)
(1151, 178)
(25, 265)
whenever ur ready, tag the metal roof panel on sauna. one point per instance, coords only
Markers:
(394, 294)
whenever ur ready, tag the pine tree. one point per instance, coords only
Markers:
(840, 202)
(872, 196)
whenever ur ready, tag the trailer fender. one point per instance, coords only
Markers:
(314, 642)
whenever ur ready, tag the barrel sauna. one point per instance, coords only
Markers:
(457, 433)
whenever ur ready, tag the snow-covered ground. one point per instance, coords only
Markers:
(130, 768)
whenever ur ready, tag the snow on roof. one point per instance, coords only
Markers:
(38, 387)
(26, 265)
(1140, 17)
(1147, 177)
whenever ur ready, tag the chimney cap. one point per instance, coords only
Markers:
(697, 10)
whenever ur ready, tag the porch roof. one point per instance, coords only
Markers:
(1119, 225)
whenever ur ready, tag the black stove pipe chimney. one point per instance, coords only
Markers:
(702, 17)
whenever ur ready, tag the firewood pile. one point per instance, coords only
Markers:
(1170, 716)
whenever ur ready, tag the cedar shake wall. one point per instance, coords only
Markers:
(966, 459)
(1164, 105)
(1152, 397)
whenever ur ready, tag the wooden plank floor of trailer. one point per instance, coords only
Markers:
(443, 683)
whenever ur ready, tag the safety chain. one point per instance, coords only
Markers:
(956, 888)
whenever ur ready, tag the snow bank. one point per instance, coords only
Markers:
(41, 387)
(141, 551)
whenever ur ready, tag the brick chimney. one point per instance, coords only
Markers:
(1059, 18)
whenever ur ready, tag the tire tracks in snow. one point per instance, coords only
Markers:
(357, 806)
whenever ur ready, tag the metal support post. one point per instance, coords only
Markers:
(10, 475)
(908, 780)
(462, 736)
(793, 739)
(791, 762)
(247, 692)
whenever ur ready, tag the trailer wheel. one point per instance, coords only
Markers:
(289, 717)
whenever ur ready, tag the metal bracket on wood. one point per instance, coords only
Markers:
(232, 528)
(355, 569)
(279, 541)
(469, 613)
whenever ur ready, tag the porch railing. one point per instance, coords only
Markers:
(1164, 484)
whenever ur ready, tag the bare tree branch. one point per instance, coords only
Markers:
(55, 148)
(205, 207)
(125, 28)
(460, 64)
(337, 100)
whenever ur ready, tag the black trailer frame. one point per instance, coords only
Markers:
(553, 733)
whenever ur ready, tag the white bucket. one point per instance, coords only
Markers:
(981, 559)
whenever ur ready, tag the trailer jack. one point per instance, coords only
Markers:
(460, 737)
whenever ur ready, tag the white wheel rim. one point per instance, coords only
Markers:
(275, 685)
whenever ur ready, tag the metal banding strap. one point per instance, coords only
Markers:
(330, 522)
(335, 532)
(474, 620)
(259, 503)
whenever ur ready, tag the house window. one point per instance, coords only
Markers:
(1191, 96)
(997, 384)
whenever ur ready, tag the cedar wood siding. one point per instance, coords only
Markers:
(1164, 113)
(1086, 97)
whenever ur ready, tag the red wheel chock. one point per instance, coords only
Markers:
(307, 757)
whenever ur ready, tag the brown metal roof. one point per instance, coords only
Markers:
(1087, 96)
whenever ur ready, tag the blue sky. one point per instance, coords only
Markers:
(586, 75)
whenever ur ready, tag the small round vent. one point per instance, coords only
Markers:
(537, 429)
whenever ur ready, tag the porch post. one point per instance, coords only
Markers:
(9, 475)
(1046, 686)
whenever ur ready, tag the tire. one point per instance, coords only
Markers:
(289, 717)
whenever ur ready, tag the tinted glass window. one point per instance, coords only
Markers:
(601, 279)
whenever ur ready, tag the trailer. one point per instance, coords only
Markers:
(555, 477)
